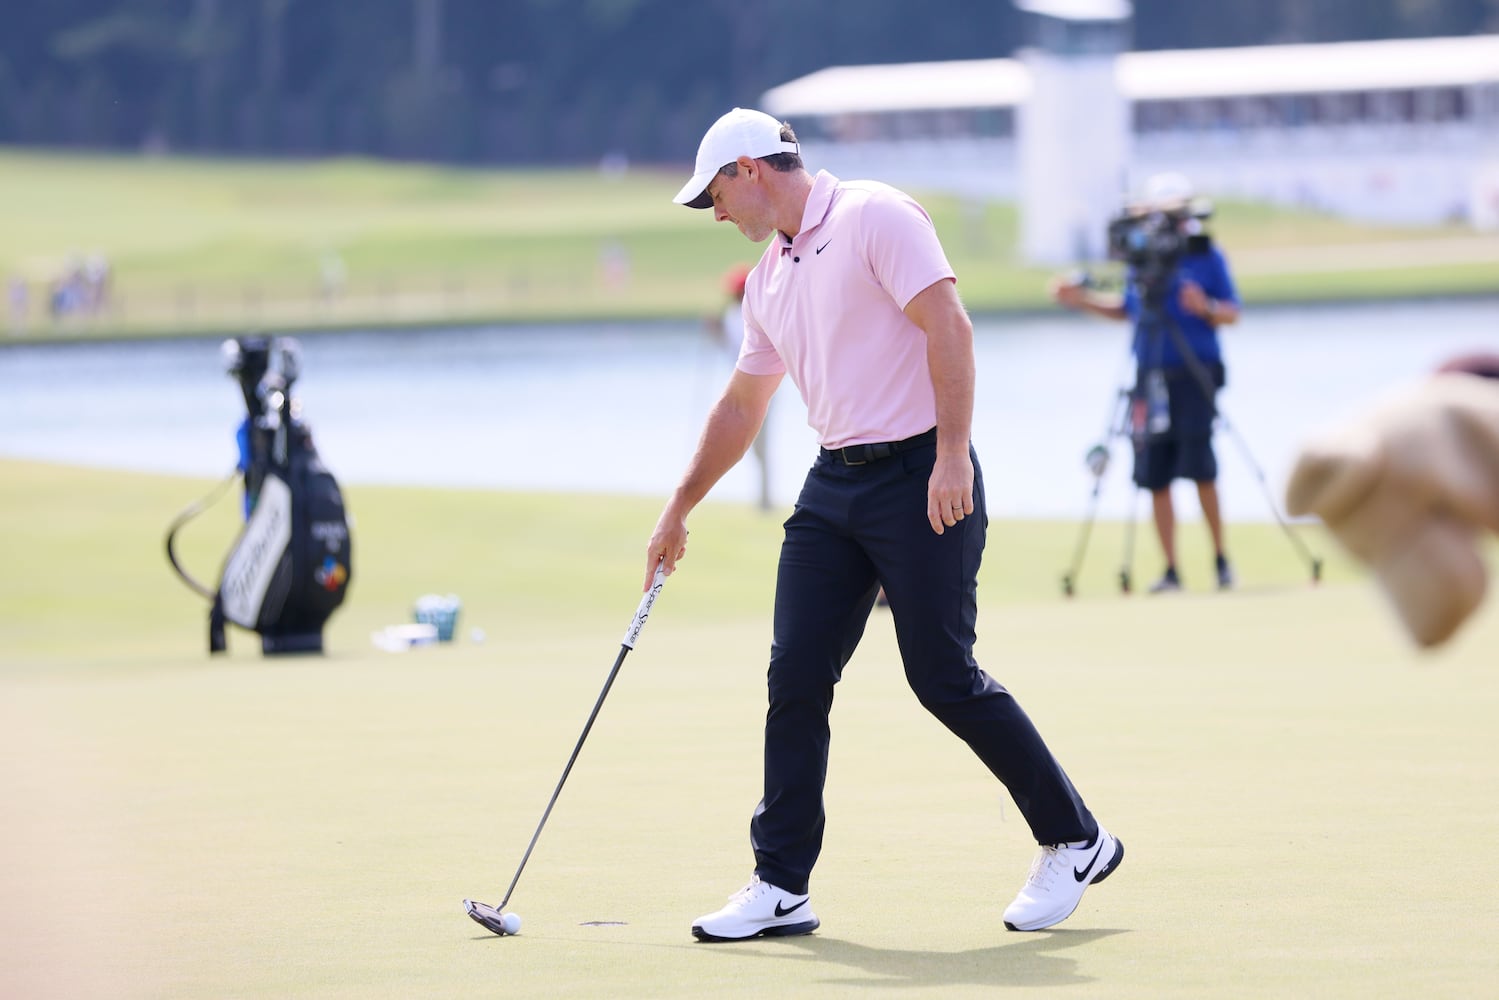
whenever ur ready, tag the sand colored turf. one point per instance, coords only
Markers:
(1306, 802)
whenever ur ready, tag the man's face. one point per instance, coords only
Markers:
(741, 200)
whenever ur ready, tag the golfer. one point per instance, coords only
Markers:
(855, 300)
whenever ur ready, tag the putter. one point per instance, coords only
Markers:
(493, 918)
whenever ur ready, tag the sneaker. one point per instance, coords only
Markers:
(1168, 582)
(1058, 877)
(1225, 574)
(759, 909)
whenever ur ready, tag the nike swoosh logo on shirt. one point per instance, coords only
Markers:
(790, 909)
(823, 247)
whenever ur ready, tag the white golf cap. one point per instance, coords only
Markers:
(741, 132)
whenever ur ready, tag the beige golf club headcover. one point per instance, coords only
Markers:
(1406, 487)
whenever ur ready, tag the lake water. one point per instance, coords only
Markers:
(616, 408)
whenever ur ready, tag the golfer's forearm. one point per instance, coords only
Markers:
(727, 435)
(950, 358)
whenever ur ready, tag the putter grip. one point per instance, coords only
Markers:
(643, 612)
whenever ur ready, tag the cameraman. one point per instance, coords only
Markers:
(1175, 345)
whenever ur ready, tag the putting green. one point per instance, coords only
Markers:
(1305, 800)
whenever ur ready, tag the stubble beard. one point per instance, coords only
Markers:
(755, 230)
(755, 234)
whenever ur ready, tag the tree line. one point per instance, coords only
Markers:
(529, 81)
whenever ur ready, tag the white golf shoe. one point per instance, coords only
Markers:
(759, 909)
(1058, 877)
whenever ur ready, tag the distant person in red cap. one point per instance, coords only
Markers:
(728, 330)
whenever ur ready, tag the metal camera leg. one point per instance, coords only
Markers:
(1125, 569)
(1098, 464)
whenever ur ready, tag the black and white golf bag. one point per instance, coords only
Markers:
(290, 568)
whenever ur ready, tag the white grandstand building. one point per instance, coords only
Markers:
(1403, 131)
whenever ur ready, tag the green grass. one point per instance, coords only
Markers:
(206, 245)
(1286, 772)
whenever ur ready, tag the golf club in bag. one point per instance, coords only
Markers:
(493, 918)
(291, 566)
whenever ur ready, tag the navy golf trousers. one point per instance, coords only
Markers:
(854, 528)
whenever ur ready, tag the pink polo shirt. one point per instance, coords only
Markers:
(826, 309)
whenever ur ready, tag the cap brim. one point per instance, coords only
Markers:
(694, 193)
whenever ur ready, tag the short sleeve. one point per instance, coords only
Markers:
(901, 245)
(757, 355)
(1221, 282)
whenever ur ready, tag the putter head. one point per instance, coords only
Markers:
(486, 916)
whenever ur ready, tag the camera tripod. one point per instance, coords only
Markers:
(1120, 425)
(1128, 419)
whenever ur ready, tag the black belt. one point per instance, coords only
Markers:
(863, 454)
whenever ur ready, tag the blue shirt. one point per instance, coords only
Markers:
(242, 443)
(1157, 348)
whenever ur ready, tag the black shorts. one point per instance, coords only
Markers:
(1185, 451)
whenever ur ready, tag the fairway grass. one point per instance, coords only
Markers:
(208, 246)
(1304, 799)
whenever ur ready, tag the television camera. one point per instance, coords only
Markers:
(1152, 238)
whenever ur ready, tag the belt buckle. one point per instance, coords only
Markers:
(843, 453)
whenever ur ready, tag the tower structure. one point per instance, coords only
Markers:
(1073, 130)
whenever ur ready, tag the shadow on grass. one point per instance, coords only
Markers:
(1031, 960)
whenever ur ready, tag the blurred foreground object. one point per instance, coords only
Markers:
(1408, 486)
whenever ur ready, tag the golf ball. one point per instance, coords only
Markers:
(476, 634)
(511, 923)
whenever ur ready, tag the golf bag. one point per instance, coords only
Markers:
(291, 566)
